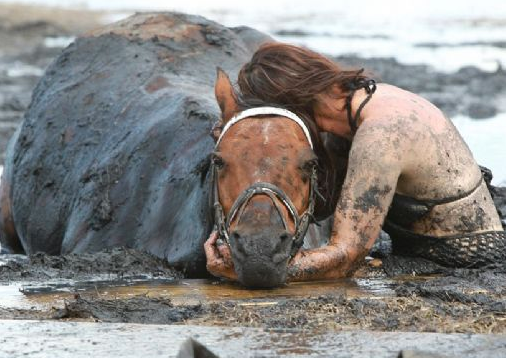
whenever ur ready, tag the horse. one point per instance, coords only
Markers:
(115, 150)
(265, 170)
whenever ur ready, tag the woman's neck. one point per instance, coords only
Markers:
(331, 114)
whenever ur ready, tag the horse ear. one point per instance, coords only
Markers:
(225, 96)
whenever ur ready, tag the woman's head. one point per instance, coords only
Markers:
(292, 77)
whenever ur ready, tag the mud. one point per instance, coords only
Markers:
(459, 301)
(118, 263)
(417, 296)
(131, 310)
(25, 33)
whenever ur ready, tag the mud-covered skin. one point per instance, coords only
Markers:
(406, 145)
(113, 149)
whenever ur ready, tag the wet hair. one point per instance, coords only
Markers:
(291, 77)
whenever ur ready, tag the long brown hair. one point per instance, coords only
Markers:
(292, 77)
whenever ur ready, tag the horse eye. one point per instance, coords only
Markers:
(218, 161)
(310, 165)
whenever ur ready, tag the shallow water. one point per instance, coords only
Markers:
(16, 295)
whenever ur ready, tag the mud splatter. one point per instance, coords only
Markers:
(371, 198)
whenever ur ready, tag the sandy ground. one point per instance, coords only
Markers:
(127, 340)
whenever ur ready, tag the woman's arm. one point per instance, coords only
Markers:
(374, 166)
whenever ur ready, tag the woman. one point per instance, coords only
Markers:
(409, 170)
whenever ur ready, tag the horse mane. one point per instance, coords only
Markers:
(332, 153)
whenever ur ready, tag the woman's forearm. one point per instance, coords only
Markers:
(323, 263)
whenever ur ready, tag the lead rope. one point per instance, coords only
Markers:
(370, 87)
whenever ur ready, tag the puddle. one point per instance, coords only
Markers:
(182, 292)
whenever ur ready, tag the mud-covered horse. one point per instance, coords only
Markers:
(271, 176)
(114, 149)
(114, 146)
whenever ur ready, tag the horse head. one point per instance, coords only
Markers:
(264, 177)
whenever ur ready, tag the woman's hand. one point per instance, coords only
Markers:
(219, 258)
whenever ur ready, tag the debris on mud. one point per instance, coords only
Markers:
(117, 263)
(455, 300)
(338, 313)
(138, 309)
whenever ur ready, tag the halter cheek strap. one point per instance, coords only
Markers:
(273, 192)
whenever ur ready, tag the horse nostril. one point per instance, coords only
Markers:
(280, 251)
(235, 235)
(284, 237)
(238, 244)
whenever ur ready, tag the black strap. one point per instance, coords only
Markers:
(370, 87)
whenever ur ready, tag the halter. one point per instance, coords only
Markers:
(271, 190)
(262, 111)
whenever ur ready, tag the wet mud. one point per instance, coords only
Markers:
(132, 310)
(401, 294)
(118, 263)
(30, 38)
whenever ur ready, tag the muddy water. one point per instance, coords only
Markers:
(183, 292)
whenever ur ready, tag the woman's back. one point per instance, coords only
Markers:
(437, 167)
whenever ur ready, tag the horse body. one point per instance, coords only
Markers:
(113, 149)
